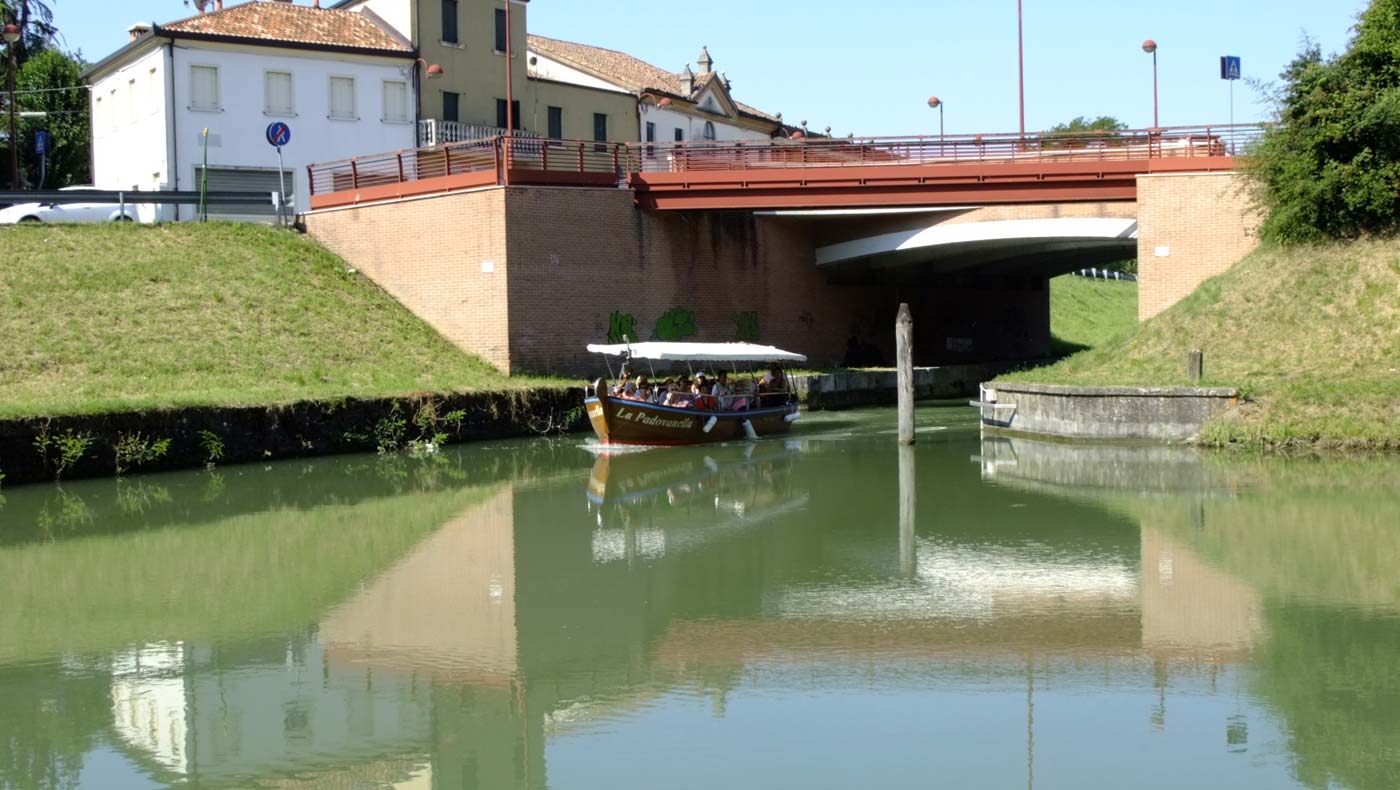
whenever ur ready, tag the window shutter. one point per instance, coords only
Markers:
(204, 88)
(395, 101)
(343, 97)
(278, 93)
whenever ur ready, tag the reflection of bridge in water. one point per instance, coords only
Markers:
(543, 608)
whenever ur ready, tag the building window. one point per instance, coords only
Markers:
(600, 130)
(680, 135)
(343, 98)
(451, 102)
(449, 22)
(277, 93)
(204, 88)
(153, 91)
(651, 137)
(501, 114)
(132, 105)
(97, 116)
(395, 101)
(112, 111)
(501, 29)
(556, 123)
(709, 130)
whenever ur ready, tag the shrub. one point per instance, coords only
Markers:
(1329, 167)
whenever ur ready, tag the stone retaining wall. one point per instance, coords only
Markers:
(1159, 413)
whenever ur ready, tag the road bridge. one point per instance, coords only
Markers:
(800, 173)
(523, 251)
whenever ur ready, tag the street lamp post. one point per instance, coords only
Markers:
(431, 71)
(11, 36)
(937, 104)
(1149, 46)
(1021, 63)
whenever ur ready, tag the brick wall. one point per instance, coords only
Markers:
(429, 254)
(580, 255)
(566, 259)
(1204, 224)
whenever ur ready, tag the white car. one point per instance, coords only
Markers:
(67, 212)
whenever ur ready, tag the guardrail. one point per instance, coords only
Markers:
(497, 160)
(503, 160)
(1124, 145)
(121, 196)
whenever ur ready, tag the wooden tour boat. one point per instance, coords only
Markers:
(619, 420)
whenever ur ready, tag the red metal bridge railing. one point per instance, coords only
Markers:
(520, 160)
(1125, 145)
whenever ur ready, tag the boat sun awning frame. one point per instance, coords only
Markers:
(698, 352)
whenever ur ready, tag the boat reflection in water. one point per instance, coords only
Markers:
(764, 614)
(648, 503)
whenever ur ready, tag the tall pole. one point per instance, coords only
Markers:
(510, 93)
(1156, 123)
(14, 137)
(904, 376)
(1021, 63)
(509, 142)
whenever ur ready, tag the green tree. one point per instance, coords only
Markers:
(1083, 125)
(1330, 166)
(1082, 130)
(46, 83)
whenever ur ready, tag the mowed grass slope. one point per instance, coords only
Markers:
(100, 318)
(1311, 334)
(1086, 313)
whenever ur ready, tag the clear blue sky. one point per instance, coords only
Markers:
(869, 68)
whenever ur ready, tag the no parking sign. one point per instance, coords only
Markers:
(278, 134)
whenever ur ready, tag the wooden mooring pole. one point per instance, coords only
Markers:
(904, 355)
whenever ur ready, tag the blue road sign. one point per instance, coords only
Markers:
(41, 142)
(1230, 67)
(279, 134)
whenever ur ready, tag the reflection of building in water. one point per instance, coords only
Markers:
(266, 710)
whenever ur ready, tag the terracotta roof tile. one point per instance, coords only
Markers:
(636, 74)
(289, 23)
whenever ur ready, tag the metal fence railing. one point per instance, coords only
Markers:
(523, 154)
(1124, 145)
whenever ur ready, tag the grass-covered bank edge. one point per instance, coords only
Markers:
(82, 446)
(1310, 334)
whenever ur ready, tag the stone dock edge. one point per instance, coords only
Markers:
(1171, 414)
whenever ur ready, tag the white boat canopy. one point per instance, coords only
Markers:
(700, 352)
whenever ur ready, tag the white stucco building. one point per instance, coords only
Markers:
(672, 107)
(343, 82)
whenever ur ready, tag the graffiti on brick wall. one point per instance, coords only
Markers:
(746, 326)
(677, 323)
(621, 327)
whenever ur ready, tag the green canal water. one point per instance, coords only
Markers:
(825, 611)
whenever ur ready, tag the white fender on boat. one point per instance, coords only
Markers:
(793, 417)
(710, 423)
(749, 431)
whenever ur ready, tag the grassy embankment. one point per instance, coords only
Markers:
(108, 318)
(1086, 313)
(1310, 334)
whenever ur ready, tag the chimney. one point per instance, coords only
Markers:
(218, 5)
(138, 30)
(706, 62)
(687, 81)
